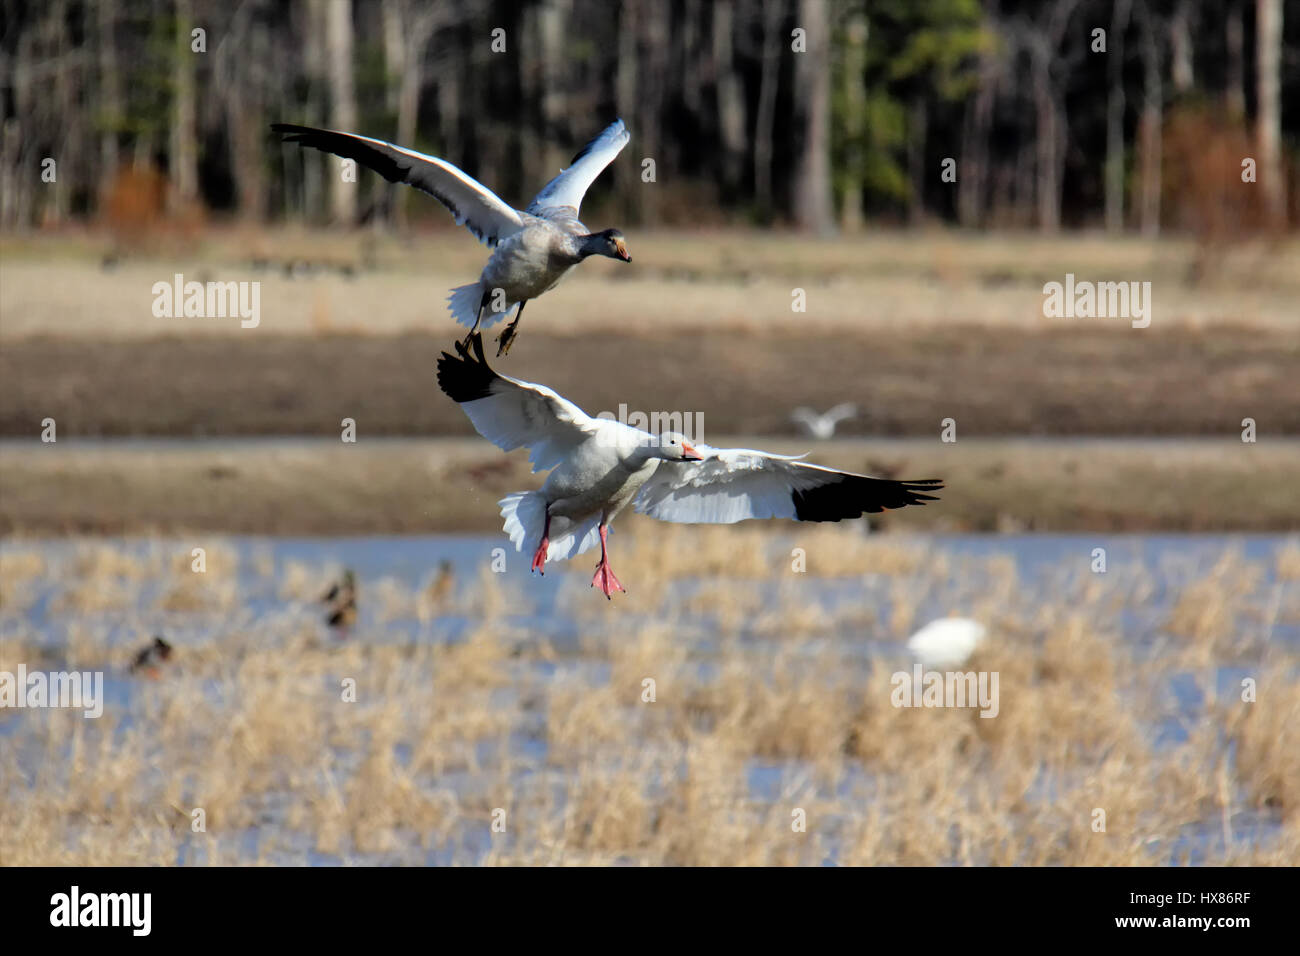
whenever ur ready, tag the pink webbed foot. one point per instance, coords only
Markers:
(539, 559)
(606, 580)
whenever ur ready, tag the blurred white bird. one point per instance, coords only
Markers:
(947, 643)
(822, 427)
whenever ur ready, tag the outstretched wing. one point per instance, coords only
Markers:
(513, 414)
(842, 411)
(733, 484)
(564, 193)
(475, 207)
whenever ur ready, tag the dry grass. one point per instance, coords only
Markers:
(770, 697)
(734, 278)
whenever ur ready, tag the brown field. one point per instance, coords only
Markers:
(990, 381)
(452, 485)
(752, 682)
(915, 328)
(1120, 692)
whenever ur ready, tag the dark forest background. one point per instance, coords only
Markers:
(1046, 133)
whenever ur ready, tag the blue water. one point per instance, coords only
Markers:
(1147, 573)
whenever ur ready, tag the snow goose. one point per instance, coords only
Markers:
(823, 426)
(533, 249)
(598, 466)
(947, 643)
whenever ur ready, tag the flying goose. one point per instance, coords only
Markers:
(599, 466)
(823, 426)
(534, 249)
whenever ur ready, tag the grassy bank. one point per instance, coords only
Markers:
(426, 486)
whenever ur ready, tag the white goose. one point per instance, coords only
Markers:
(947, 643)
(823, 426)
(534, 249)
(599, 466)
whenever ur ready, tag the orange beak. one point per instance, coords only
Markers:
(689, 453)
(621, 246)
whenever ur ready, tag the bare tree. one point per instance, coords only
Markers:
(110, 93)
(1235, 81)
(853, 90)
(1180, 48)
(183, 186)
(766, 117)
(813, 207)
(407, 31)
(242, 64)
(1268, 120)
(343, 99)
(1150, 122)
(730, 94)
(1042, 41)
(1115, 103)
(972, 184)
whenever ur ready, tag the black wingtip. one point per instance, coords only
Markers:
(855, 495)
(291, 132)
(466, 379)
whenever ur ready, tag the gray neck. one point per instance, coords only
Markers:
(592, 244)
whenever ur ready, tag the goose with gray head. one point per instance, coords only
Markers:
(533, 249)
(599, 466)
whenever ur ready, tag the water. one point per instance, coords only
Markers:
(1146, 576)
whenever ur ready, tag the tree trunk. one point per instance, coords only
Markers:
(343, 102)
(553, 25)
(813, 203)
(853, 91)
(730, 95)
(1115, 118)
(183, 186)
(1268, 121)
(973, 172)
(245, 116)
(1149, 130)
(1048, 136)
(1235, 93)
(1180, 48)
(110, 95)
(631, 106)
(766, 118)
(918, 125)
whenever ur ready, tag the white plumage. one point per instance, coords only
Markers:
(947, 643)
(823, 426)
(599, 466)
(532, 250)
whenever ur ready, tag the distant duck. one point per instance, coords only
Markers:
(442, 585)
(150, 660)
(341, 604)
(947, 643)
(822, 427)
(533, 249)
